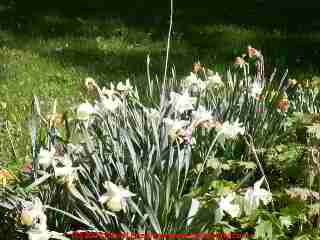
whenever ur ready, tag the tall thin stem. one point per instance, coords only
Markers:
(168, 43)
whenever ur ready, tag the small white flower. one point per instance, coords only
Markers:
(174, 127)
(152, 114)
(176, 124)
(45, 157)
(285, 221)
(107, 104)
(116, 197)
(255, 194)
(127, 87)
(255, 89)
(229, 131)
(84, 111)
(214, 80)
(225, 205)
(64, 171)
(34, 234)
(90, 83)
(202, 114)
(34, 216)
(182, 102)
(193, 80)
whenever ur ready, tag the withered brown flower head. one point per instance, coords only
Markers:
(56, 120)
(196, 67)
(90, 83)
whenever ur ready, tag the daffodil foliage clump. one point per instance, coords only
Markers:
(195, 153)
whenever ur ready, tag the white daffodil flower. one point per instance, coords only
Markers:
(182, 102)
(152, 114)
(286, 221)
(35, 234)
(34, 216)
(225, 205)
(45, 157)
(203, 118)
(127, 87)
(84, 111)
(201, 114)
(175, 128)
(229, 131)
(193, 80)
(255, 89)
(214, 80)
(116, 197)
(64, 171)
(255, 194)
(107, 104)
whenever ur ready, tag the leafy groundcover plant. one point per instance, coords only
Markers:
(190, 156)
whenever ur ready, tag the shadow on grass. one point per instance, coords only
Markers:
(215, 43)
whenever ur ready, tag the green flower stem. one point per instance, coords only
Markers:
(70, 215)
(250, 145)
(38, 181)
(207, 156)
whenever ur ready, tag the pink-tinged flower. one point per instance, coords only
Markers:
(259, 109)
(27, 168)
(252, 52)
(177, 132)
(187, 136)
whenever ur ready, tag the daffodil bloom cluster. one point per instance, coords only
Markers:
(203, 118)
(61, 165)
(251, 201)
(35, 220)
(194, 83)
(109, 100)
(116, 197)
